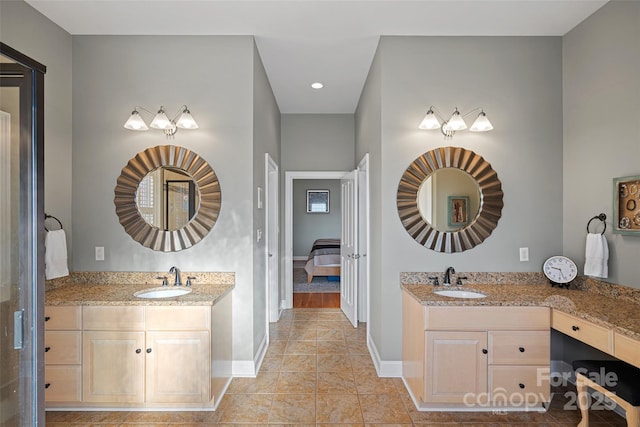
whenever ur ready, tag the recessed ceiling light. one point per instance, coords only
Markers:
(317, 85)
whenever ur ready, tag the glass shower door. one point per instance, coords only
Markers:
(21, 272)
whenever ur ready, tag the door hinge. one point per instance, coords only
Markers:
(18, 330)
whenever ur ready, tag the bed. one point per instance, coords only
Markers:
(324, 259)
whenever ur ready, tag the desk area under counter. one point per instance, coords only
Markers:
(107, 349)
(443, 334)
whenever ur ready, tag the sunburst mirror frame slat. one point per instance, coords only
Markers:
(479, 228)
(178, 158)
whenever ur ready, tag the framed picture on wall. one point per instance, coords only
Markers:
(457, 211)
(317, 201)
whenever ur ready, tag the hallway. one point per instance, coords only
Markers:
(318, 371)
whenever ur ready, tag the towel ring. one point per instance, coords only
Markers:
(47, 216)
(602, 217)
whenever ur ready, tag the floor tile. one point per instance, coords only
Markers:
(293, 409)
(337, 408)
(296, 382)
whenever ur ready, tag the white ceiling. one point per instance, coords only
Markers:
(303, 41)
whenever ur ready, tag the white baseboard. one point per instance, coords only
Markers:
(384, 368)
(300, 258)
(248, 368)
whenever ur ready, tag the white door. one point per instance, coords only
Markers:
(363, 239)
(349, 247)
(272, 236)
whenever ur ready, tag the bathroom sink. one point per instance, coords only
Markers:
(453, 293)
(162, 292)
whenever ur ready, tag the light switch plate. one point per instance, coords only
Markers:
(524, 254)
(99, 253)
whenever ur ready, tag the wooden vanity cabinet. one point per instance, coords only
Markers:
(482, 357)
(62, 357)
(153, 354)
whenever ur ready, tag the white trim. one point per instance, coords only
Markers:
(364, 252)
(247, 368)
(272, 294)
(288, 223)
(300, 258)
(384, 369)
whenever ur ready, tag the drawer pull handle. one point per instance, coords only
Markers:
(148, 350)
(138, 351)
(47, 385)
(47, 318)
(46, 349)
(485, 351)
(521, 385)
(521, 349)
(575, 328)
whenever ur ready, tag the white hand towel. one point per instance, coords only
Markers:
(55, 254)
(596, 256)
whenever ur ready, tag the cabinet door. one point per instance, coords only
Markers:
(62, 383)
(456, 367)
(113, 366)
(177, 367)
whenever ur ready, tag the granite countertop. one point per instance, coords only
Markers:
(122, 294)
(617, 314)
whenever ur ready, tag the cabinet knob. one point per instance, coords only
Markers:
(521, 385)
(521, 349)
(485, 351)
(575, 328)
(47, 385)
(138, 351)
(47, 318)
(148, 350)
(46, 349)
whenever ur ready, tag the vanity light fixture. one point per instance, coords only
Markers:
(434, 120)
(182, 119)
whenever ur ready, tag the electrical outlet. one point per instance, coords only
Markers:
(524, 254)
(99, 253)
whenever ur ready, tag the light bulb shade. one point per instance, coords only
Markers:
(430, 121)
(186, 120)
(161, 121)
(135, 122)
(456, 122)
(482, 124)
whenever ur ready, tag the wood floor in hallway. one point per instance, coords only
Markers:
(318, 372)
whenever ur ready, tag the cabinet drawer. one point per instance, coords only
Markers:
(62, 318)
(62, 347)
(172, 318)
(517, 385)
(101, 318)
(486, 318)
(63, 383)
(519, 347)
(582, 330)
(627, 349)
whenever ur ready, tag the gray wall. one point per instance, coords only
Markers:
(601, 89)
(518, 81)
(214, 76)
(266, 139)
(26, 30)
(317, 142)
(307, 227)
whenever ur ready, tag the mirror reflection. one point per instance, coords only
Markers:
(448, 199)
(167, 198)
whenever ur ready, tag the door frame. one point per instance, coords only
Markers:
(271, 203)
(290, 176)
(31, 231)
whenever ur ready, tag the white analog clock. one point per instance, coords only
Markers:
(560, 269)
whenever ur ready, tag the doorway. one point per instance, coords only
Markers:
(290, 178)
(21, 239)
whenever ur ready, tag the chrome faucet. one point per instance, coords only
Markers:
(447, 276)
(177, 280)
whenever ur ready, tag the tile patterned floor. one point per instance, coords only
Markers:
(318, 371)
